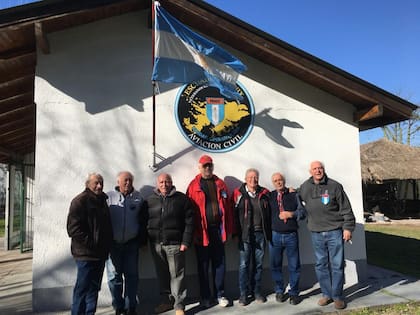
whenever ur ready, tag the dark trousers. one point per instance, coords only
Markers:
(251, 259)
(288, 242)
(88, 284)
(213, 254)
(122, 270)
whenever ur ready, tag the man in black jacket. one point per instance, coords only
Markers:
(252, 225)
(170, 229)
(89, 226)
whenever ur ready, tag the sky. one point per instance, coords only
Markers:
(4, 4)
(375, 40)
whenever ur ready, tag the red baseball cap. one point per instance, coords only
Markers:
(205, 159)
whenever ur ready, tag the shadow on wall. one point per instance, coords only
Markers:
(102, 64)
(273, 127)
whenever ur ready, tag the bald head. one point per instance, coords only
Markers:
(317, 171)
(164, 183)
(279, 181)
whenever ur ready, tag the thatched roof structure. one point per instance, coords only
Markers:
(384, 160)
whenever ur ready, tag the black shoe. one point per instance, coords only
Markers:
(280, 297)
(132, 311)
(294, 300)
(120, 312)
(243, 300)
(260, 298)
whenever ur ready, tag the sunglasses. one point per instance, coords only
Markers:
(208, 165)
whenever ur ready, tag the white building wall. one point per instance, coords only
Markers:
(94, 113)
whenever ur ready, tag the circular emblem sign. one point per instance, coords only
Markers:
(211, 121)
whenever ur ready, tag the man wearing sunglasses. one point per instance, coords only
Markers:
(213, 223)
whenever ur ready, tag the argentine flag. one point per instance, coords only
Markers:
(183, 56)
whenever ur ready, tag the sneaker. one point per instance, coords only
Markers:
(260, 298)
(223, 302)
(324, 301)
(179, 312)
(339, 304)
(243, 300)
(205, 303)
(280, 297)
(164, 307)
(294, 300)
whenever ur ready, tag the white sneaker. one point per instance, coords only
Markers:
(223, 302)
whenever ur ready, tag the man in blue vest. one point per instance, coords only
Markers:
(129, 218)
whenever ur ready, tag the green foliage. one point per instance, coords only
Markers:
(402, 241)
(410, 308)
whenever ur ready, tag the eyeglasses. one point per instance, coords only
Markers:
(208, 165)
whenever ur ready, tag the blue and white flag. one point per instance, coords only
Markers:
(183, 56)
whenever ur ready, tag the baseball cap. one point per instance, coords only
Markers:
(205, 159)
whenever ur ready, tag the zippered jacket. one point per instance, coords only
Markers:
(243, 212)
(197, 195)
(170, 218)
(89, 226)
(128, 216)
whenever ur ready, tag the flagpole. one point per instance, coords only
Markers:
(154, 89)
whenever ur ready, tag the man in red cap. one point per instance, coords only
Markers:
(213, 222)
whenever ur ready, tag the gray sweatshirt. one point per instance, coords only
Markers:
(327, 205)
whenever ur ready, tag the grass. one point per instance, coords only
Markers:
(395, 247)
(411, 308)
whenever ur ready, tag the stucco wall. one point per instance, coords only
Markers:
(94, 113)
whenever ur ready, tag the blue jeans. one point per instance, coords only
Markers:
(214, 253)
(88, 284)
(329, 266)
(122, 272)
(251, 254)
(290, 243)
(170, 269)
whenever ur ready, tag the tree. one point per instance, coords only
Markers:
(404, 131)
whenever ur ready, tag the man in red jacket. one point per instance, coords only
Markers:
(213, 222)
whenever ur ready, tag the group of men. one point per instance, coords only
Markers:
(108, 229)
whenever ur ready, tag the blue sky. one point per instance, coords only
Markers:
(375, 40)
(4, 4)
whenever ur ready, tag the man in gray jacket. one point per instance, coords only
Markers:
(128, 217)
(331, 222)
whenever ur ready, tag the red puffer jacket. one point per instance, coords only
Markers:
(198, 197)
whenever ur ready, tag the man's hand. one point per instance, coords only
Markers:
(346, 235)
(286, 215)
(183, 248)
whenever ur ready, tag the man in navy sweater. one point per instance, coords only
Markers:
(286, 210)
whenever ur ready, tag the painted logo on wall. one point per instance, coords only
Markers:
(211, 121)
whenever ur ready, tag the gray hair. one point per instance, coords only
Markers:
(93, 174)
(125, 172)
(254, 170)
